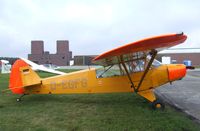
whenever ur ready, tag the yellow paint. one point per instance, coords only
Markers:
(85, 81)
(148, 94)
(29, 77)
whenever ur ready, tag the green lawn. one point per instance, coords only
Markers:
(89, 112)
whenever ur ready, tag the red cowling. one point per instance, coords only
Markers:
(176, 72)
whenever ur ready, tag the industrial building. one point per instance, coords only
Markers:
(61, 58)
(84, 59)
(182, 54)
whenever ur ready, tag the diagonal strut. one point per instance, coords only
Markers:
(153, 54)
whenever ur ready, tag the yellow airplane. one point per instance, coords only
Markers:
(129, 68)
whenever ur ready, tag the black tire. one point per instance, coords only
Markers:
(158, 105)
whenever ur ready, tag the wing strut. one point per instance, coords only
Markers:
(129, 77)
(153, 55)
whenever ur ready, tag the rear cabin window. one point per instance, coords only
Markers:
(108, 71)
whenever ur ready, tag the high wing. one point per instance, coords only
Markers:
(35, 66)
(139, 49)
(131, 55)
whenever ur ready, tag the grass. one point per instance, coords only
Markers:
(88, 112)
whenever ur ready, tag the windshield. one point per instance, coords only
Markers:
(155, 63)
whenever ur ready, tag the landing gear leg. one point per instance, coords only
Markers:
(20, 98)
(157, 104)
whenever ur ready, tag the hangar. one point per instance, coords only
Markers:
(179, 55)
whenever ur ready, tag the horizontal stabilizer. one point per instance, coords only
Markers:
(35, 66)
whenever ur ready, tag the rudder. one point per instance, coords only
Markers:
(21, 76)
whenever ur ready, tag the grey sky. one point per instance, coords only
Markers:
(92, 26)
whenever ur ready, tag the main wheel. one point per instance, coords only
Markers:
(157, 104)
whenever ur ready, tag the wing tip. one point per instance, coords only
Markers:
(180, 33)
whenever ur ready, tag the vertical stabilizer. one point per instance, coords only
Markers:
(15, 83)
(22, 76)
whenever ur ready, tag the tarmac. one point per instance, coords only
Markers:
(183, 94)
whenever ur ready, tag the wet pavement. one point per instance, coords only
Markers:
(183, 94)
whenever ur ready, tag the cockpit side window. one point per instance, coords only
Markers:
(118, 69)
(133, 63)
(135, 66)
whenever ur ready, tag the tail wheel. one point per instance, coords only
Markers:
(18, 99)
(157, 104)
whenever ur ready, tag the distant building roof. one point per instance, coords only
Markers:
(180, 50)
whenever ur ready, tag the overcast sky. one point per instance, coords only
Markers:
(92, 26)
